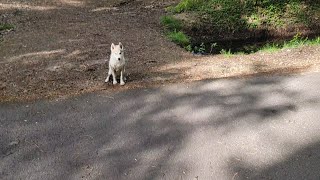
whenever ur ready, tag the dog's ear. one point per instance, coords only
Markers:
(112, 47)
(121, 46)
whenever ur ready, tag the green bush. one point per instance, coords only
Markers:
(235, 15)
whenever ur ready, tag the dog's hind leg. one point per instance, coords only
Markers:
(124, 74)
(109, 74)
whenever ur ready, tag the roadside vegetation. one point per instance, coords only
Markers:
(173, 31)
(5, 28)
(245, 26)
(296, 42)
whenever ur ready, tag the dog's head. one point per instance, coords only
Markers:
(117, 51)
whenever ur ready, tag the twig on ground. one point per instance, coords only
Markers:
(234, 175)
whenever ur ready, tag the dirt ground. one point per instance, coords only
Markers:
(59, 48)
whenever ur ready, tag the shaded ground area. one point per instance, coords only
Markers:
(244, 26)
(59, 48)
(256, 128)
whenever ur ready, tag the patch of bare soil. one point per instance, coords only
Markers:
(286, 61)
(59, 48)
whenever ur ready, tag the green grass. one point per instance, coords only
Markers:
(270, 48)
(237, 15)
(229, 53)
(240, 53)
(188, 5)
(229, 17)
(6, 27)
(226, 53)
(296, 42)
(173, 31)
(171, 23)
(179, 38)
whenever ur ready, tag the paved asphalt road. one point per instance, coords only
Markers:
(256, 128)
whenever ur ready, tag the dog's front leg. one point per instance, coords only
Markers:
(114, 76)
(121, 77)
(109, 74)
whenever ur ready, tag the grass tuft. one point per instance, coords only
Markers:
(4, 27)
(270, 48)
(226, 53)
(296, 42)
(171, 23)
(179, 38)
(188, 5)
(173, 30)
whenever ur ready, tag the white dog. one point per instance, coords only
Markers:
(116, 64)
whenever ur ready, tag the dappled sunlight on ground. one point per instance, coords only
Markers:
(42, 54)
(73, 2)
(287, 61)
(64, 51)
(20, 6)
(105, 9)
(222, 129)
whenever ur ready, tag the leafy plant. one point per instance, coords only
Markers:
(213, 45)
(199, 50)
(188, 48)
(202, 48)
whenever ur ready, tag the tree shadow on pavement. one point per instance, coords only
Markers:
(142, 133)
(302, 164)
